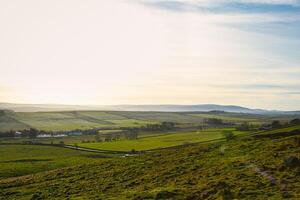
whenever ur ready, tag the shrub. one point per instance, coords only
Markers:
(228, 135)
(295, 121)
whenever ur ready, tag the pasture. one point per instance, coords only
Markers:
(162, 140)
(242, 171)
(18, 160)
(70, 120)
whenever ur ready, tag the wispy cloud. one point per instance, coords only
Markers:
(272, 10)
(220, 6)
(154, 51)
(279, 88)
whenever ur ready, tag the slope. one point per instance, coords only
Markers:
(245, 168)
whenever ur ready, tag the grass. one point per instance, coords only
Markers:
(130, 122)
(56, 121)
(227, 117)
(160, 140)
(7, 122)
(286, 129)
(199, 171)
(102, 115)
(70, 120)
(18, 160)
(145, 141)
(56, 140)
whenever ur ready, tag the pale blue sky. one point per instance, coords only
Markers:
(244, 52)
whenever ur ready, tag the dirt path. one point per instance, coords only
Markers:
(270, 178)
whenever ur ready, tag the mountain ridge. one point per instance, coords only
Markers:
(146, 107)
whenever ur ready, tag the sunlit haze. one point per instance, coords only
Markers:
(243, 52)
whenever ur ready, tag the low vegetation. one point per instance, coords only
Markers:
(162, 140)
(148, 155)
(241, 168)
(71, 120)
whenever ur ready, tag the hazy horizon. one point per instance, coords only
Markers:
(235, 52)
(144, 107)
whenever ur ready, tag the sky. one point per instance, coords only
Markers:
(230, 52)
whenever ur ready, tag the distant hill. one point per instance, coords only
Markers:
(161, 108)
(189, 108)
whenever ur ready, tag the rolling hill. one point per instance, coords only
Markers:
(70, 120)
(160, 108)
(250, 167)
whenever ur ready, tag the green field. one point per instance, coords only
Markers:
(56, 121)
(229, 117)
(70, 120)
(18, 160)
(188, 162)
(145, 141)
(8, 122)
(281, 130)
(162, 140)
(243, 168)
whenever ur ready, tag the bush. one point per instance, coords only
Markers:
(228, 135)
(276, 124)
(244, 127)
(292, 161)
(295, 121)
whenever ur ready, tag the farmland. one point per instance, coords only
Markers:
(56, 121)
(247, 168)
(160, 140)
(188, 161)
(150, 100)
(145, 140)
(70, 120)
(18, 160)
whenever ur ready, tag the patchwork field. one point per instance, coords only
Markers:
(70, 120)
(231, 117)
(56, 121)
(161, 140)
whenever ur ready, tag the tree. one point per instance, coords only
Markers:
(276, 124)
(295, 121)
(244, 127)
(32, 133)
(97, 137)
(167, 125)
(108, 138)
(228, 135)
(214, 121)
(132, 134)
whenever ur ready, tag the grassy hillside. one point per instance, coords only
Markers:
(281, 130)
(245, 168)
(9, 122)
(65, 120)
(70, 120)
(232, 117)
